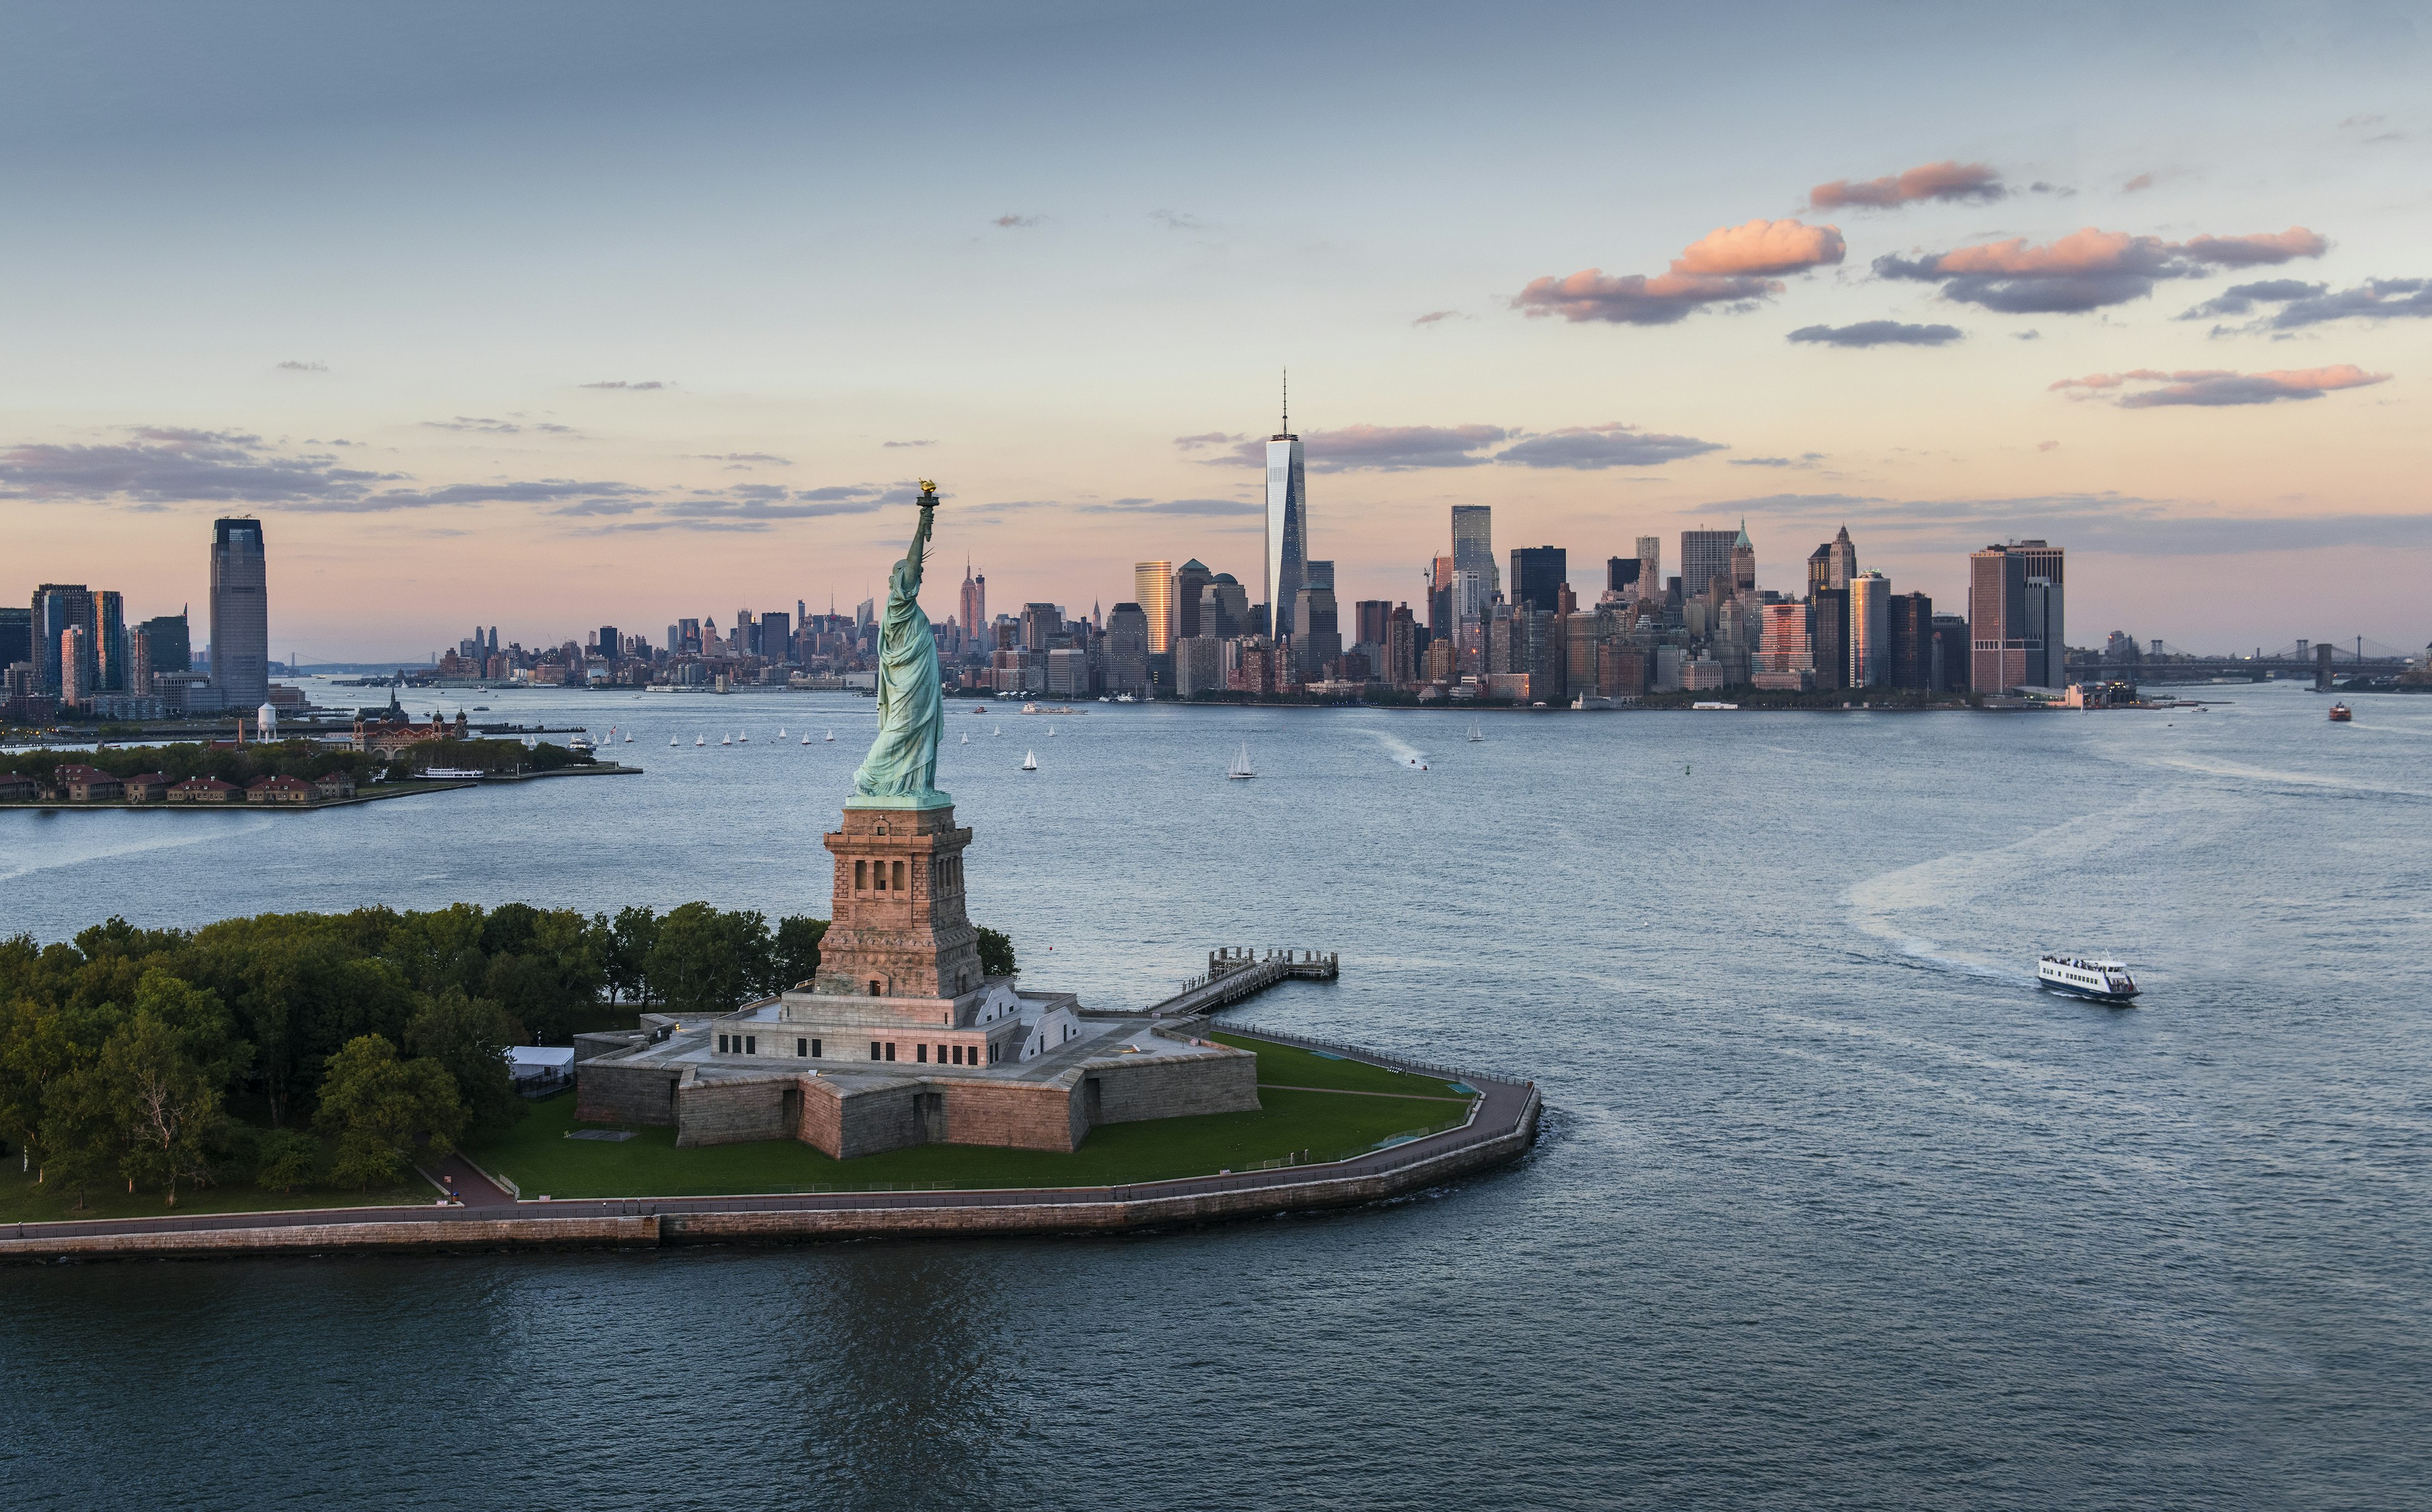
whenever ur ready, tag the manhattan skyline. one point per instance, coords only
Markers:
(662, 320)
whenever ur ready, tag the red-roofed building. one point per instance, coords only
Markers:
(334, 785)
(205, 790)
(86, 784)
(15, 788)
(147, 787)
(279, 790)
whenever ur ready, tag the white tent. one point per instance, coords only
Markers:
(526, 1062)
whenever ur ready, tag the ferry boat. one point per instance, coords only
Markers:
(582, 742)
(2341, 713)
(2103, 981)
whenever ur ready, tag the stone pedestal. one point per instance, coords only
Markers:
(897, 927)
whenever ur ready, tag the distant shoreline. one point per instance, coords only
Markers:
(372, 793)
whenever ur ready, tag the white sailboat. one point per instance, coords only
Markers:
(831, 734)
(700, 740)
(1030, 761)
(998, 730)
(1051, 732)
(671, 742)
(726, 740)
(807, 737)
(780, 732)
(745, 738)
(1475, 734)
(1240, 767)
(966, 739)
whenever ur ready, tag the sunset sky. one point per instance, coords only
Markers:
(550, 316)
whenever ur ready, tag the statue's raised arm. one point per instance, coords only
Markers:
(900, 770)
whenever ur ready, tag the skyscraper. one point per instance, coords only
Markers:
(1538, 573)
(1911, 642)
(240, 612)
(1287, 554)
(76, 660)
(1441, 620)
(1190, 580)
(1621, 574)
(776, 636)
(2047, 562)
(161, 644)
(1744, 561)
(1472, 545)
(16, 636)
(1998, 649)
(1318, 574)
(1829, 631)
(1128, 650)
(109, 642)
(1650, 564)
(1843, 556)
(973, 606)
(1153, 590)
(58, 607)
(1870, 608)
(608, 639)
(1705, 555)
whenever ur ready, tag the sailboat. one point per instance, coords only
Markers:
(726, 740)
(1475, 734)
(700, 740)
(1051, 732)
(966, 739)
(1030, 761)
(1240, 767)
(780, 732)
(998, 730)
(628, 737)
(807, 737)
(745, 738)
(672, 741)
(831, 734)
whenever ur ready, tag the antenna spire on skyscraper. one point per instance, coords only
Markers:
(1287, 401)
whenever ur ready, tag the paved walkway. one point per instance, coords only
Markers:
(1503, 1108)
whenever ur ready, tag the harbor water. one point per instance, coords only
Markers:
(1834, 1207)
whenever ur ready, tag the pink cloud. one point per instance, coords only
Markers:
(1933, 181)
(2214, 387)
(1726, 267)
(1761, 246)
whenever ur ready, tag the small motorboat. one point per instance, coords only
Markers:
(1030, 761)
(1416, 765)
(2341, 713)
(1239, 770)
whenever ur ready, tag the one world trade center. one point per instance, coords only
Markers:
(1287, 560)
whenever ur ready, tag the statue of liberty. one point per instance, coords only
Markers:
(901, 771)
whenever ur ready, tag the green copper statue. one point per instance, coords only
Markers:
(901, 771)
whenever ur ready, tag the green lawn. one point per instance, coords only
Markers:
(24, 1201)
(540, 1159)
(1290, 1065)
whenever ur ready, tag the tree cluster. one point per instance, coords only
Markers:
(165, 1058)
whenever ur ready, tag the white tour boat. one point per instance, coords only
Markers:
(2103, 981)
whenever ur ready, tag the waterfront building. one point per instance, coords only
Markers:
(1538, 575)
(1128, 650)
(2002, 653)
(1067, 672)
(239, 611)
(278, 790)
(1153, 590)
(1785, 657)
(1828, 632)
(110, 650)
(205, 790)
(2045, 567)
(1951, 656)
(76, 667)
(56, 607)
(1705, 555)
(1286, 558)
(1910, 621)
(1317, 637)
(1198, 665)
(1870, 601)
(1582, 634)
(1621, 670)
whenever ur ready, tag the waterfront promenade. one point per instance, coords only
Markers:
(1501, 1125)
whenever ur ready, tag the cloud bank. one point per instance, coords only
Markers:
(2210, 387)
(2087, 269)
(2313, 304)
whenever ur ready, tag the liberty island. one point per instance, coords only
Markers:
(901, 1038)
